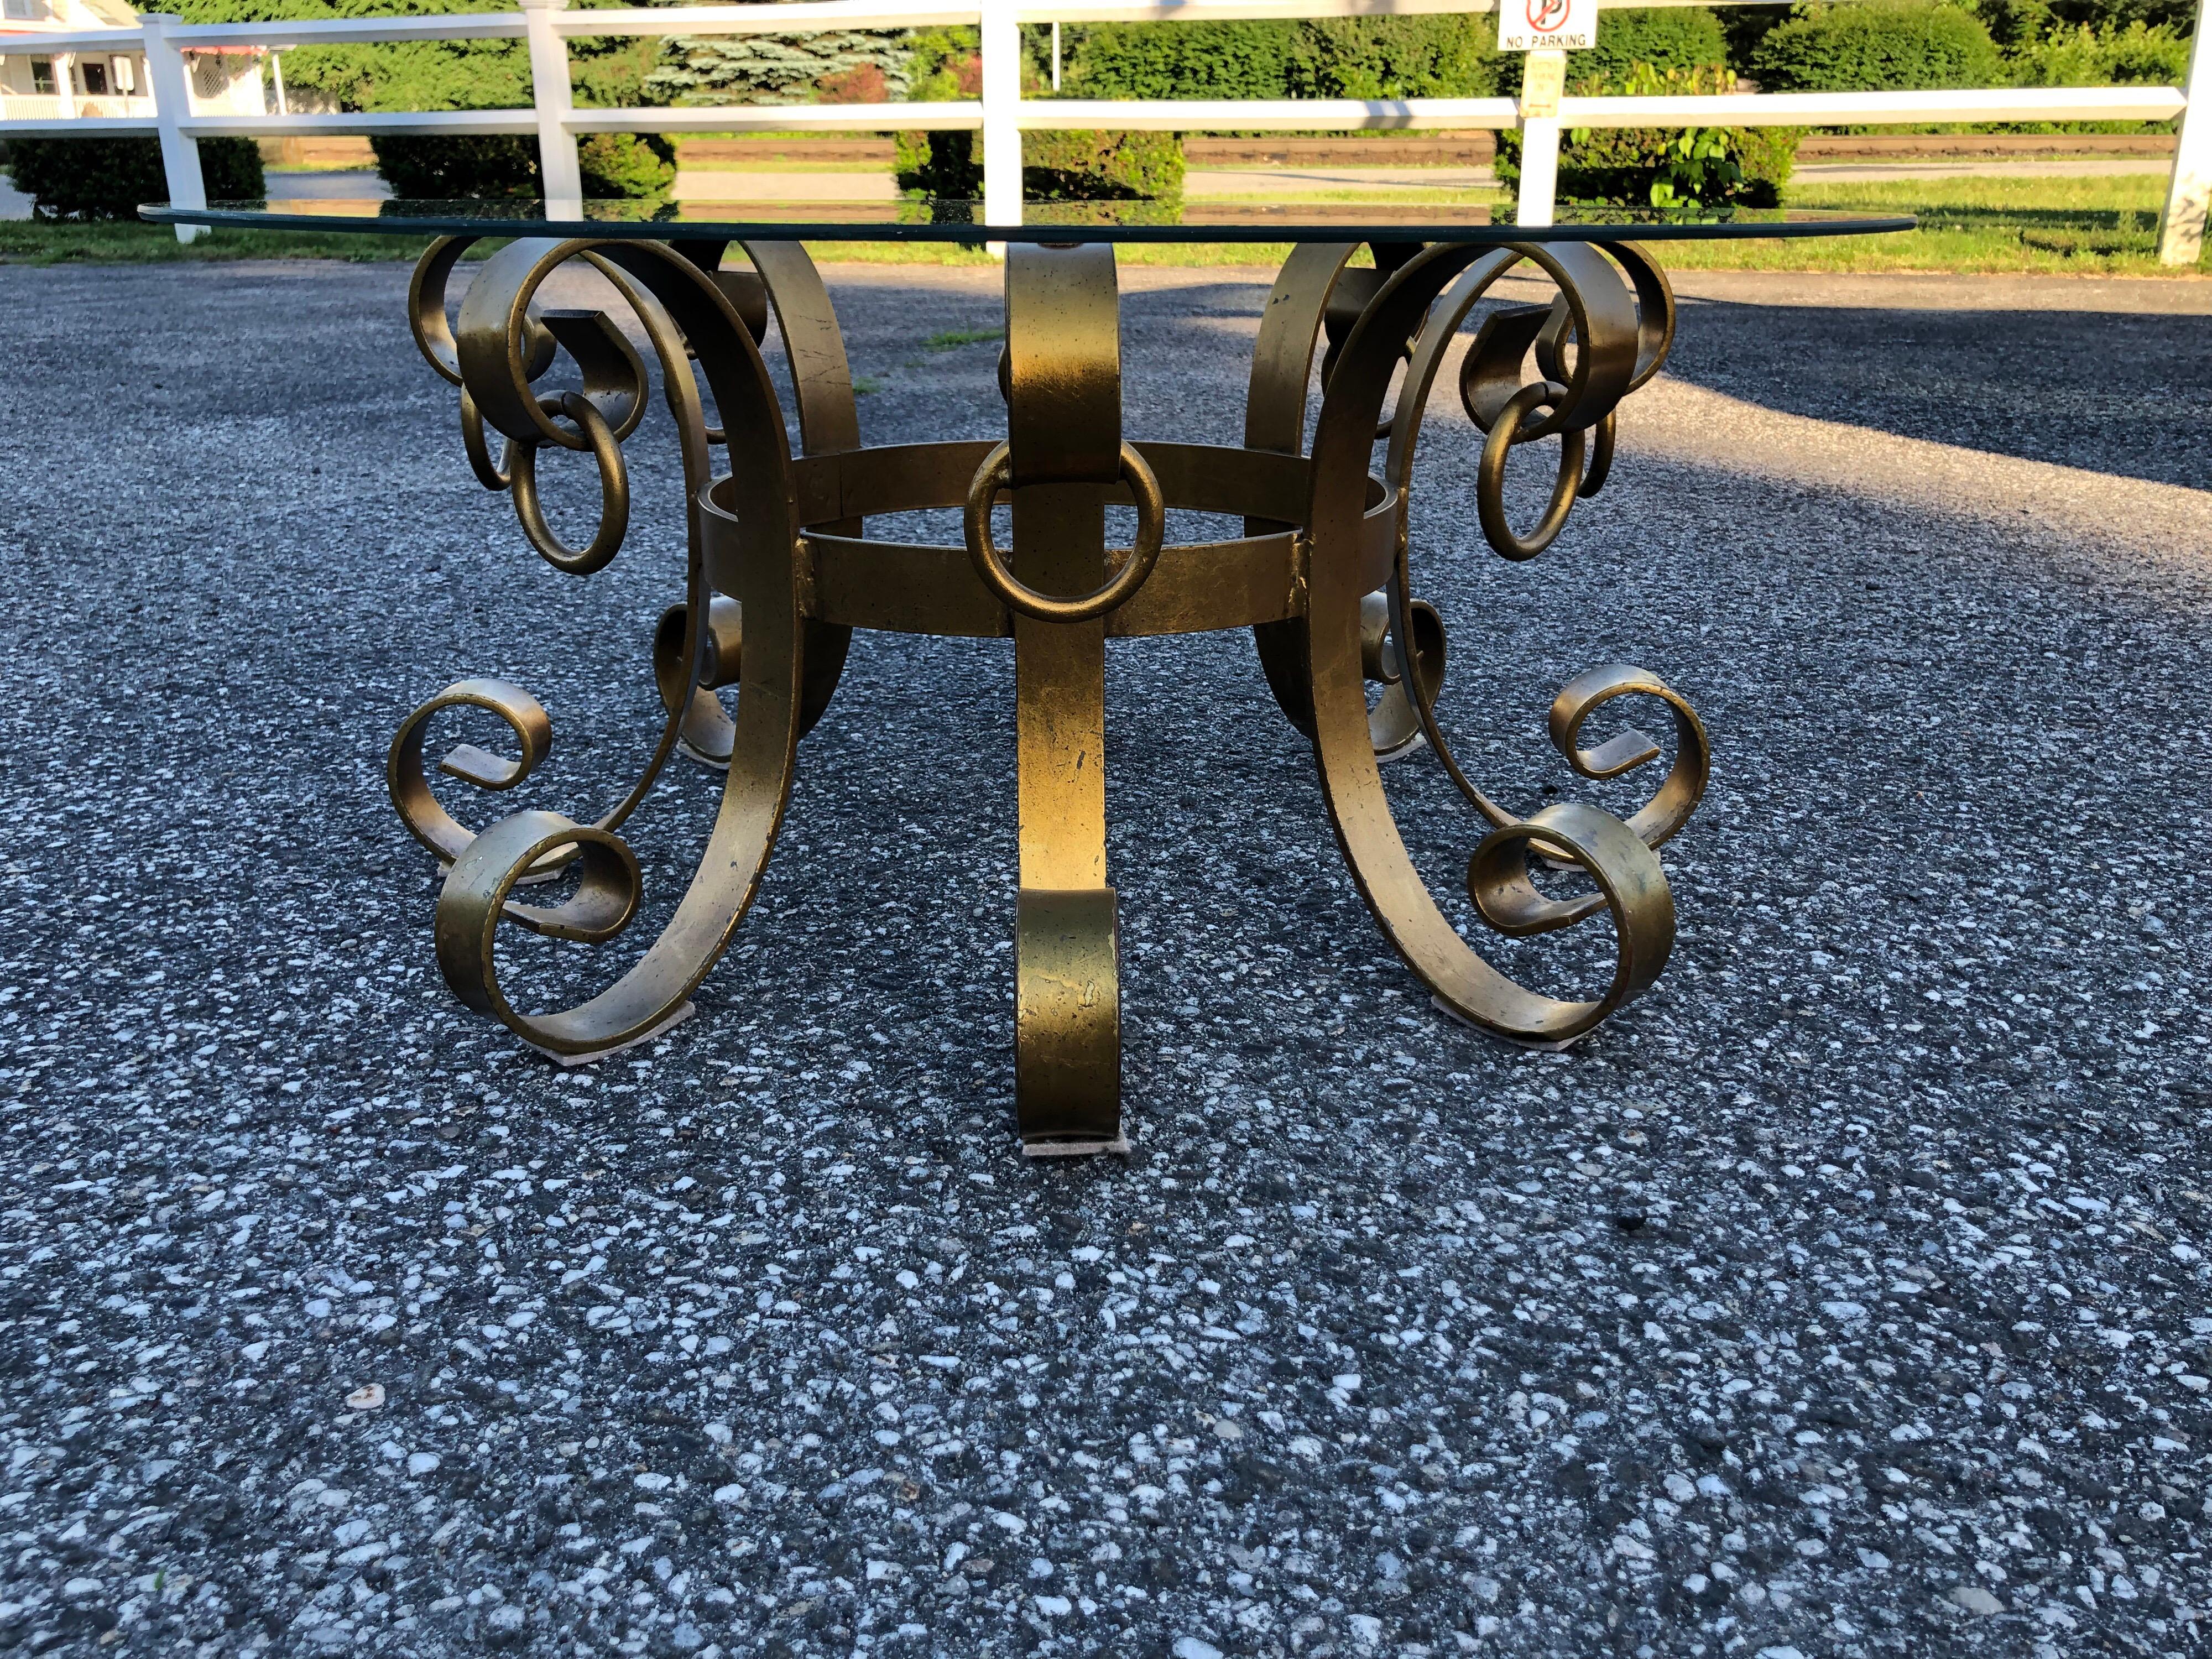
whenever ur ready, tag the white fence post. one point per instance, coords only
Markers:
(1002, 132)
(172, 102)
(549, 90)
(1543, 78)
(2181, 227)
(1540, 169)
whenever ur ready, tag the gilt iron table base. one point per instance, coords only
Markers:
(781, 569)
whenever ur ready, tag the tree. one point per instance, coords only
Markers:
(847, 64)
(435, 75)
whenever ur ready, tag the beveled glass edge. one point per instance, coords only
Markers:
(851, 230)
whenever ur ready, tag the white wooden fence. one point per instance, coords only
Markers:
(1002, 114)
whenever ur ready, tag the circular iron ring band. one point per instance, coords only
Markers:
(614, 488)
(997, 474)
(1490, 478)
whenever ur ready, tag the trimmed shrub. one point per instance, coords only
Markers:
(2178, 16)
(1668, 166)
(627, 166)
(108, 177)
(1768, 155)
(615, 165)
(1900, 47)
(1181, 60)
(1101, 167)
(1666, 38)
(1439, 57)
(1056, 166)
(1744, 27)
(2110, 57)
(438, 169)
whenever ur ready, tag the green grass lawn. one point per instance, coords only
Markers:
(26, 242)
(2059, 225)
(2101, 226)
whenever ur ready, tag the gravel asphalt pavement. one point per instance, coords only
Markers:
(1845, 1296)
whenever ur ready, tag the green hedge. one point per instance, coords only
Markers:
(439, 170)
(627, 166)
(2110, 57)
(604, 71)
(1107, 166)
(1666, 167)
(1442, 56)
(1664, 38)
(1056, 166)
(1179, 60)
(1872, 47)
(108, 177)
(616, 165)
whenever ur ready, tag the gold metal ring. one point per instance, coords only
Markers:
(997, 474)
(614, 489)
(1490, 478)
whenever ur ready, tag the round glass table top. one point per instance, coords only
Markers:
(918, 221)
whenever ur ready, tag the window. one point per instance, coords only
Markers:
(95, 78)
(126, 76)
(29, 11)
(42, 74)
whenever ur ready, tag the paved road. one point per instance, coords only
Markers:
(1843, 1296)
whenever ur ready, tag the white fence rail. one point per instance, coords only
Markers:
(1002, 114)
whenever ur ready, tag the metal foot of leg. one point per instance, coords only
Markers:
(1068, 1021)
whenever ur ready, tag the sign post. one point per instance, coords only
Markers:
(1547, 30)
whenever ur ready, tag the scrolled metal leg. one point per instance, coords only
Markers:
(1602, 320)
(1317, 292)
(1064, 448)
(743, 561)
(1275, 419)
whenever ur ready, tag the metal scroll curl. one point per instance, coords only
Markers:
(1606, 333)
(503, 346)
(424, 815)
(526, 345)
(1618, 333)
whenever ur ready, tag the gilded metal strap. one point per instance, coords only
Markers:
(1064, 431)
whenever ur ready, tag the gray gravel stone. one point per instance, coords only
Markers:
(1845, 1296)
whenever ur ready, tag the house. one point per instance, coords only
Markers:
(46, 86)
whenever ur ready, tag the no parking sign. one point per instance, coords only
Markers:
(1546, 25)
